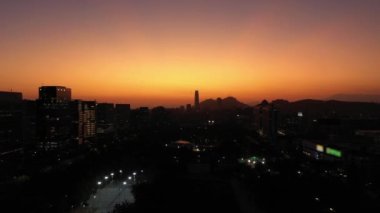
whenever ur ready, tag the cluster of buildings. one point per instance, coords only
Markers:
(322, 130)
(55, 120)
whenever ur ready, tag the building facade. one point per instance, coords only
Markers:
(54, 122)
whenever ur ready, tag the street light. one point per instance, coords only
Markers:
(125, 183)
(129, 178)
(112, 174)
(105, 177)
(134, 176)
(99, 183)
(120, 171)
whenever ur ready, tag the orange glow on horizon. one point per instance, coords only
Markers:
(117, 54)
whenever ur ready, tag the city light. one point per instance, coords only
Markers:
(334, 152)
(319, 148)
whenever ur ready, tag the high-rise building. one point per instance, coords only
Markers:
(123, 112)
(30, 118)
(196, 100)
(54, 121)
(267, 120)
(89, 120)
(105, 113)
(52, 94)
(11, 120)
(140, 118)
(105, 118)
(77, 121)
(83, 115)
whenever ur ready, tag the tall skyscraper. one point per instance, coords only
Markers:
(11, 120)
(196, 100)
(89, 120)
(53, 117)
(83, 115)
(77, 121)
(105, 113)
(50, 94)
(122, 113)
(105, 117)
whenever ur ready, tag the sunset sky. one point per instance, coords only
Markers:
(157, 52)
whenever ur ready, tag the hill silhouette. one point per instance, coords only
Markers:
(356, 97)
(311, 106)
(225, 103)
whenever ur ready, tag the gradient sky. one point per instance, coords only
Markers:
(157, 52)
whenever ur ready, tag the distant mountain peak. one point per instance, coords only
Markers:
(356, 97)
(222, 103)
(319, 108)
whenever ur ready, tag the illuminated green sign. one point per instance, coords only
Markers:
(333, 152)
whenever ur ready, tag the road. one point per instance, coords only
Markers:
(107, 197)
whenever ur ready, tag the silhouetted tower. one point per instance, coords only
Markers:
(53, 117)
(196, 100)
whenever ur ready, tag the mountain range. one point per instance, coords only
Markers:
(222, 103)
(328, 107)
(356, 97)
(309, 106)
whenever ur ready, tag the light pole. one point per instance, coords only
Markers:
(112, 174)
(134, 177)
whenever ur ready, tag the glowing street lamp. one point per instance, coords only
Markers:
(134, 176)
(105, 177)
(99, 183)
